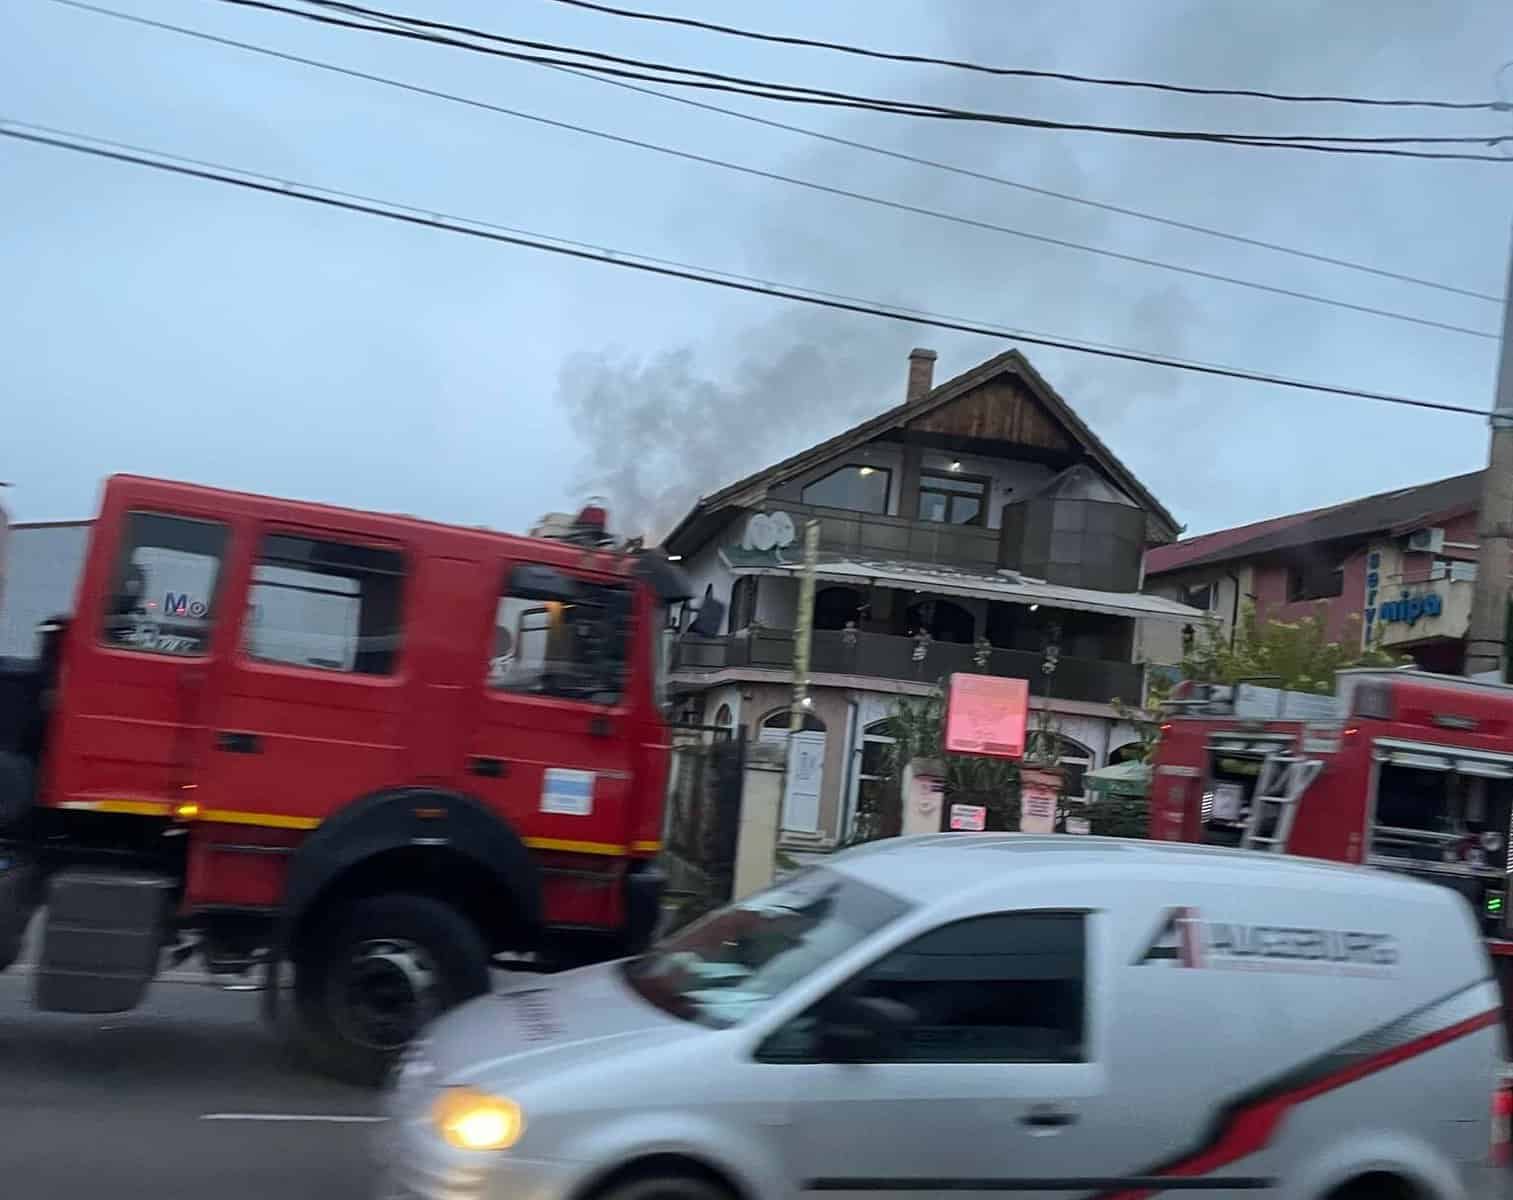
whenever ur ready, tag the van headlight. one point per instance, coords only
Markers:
(471, 1119)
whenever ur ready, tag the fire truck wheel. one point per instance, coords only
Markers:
(375, 971)
(15, 788)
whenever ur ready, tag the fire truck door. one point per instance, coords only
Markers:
(310, 711)
(550, 751)
(141, 652)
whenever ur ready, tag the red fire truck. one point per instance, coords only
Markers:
(369, 749)
(1399, 770)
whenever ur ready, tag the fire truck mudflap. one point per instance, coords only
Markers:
(101, 940)
(18, 900)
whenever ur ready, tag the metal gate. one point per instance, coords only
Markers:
(702, 819)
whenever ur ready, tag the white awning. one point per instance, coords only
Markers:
(1006, 586)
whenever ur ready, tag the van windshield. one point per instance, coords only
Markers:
(728, 966)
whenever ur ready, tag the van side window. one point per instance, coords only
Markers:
(571, 644)
(1009, 987)
(327, 605)
(163, 593)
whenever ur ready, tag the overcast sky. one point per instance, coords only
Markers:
(174, 327)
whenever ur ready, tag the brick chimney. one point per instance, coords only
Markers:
(921, 375)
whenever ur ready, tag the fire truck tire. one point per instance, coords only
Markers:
(16, 784)
(374, 971)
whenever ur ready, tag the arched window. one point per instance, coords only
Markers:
(1129, 752)
(834, 606)
(943, 620)
(778, 719)
(1075, 759)
(743, 599)
(723, 717)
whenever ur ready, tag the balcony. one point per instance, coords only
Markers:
(872, 536)
(883, 656)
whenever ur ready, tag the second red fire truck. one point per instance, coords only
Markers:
(1399, 770)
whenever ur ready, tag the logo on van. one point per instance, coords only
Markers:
(1184, 939)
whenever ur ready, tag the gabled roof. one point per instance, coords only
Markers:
(753, 488)
(1397, 511)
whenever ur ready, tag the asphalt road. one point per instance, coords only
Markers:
(156, 1103)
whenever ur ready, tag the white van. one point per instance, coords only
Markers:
(989, 1015)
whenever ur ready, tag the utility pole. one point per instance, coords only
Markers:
(1489, 602)
(802, 631)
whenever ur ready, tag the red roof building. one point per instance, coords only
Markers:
(1392, 569)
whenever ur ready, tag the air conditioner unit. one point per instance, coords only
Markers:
(1430, 540)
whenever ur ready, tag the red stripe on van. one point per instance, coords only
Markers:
(1250, 1127)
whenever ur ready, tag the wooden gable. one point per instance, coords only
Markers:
(1000, 409)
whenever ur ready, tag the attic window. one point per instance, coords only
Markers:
(1315, 581)
(954, 499)
(856, 486)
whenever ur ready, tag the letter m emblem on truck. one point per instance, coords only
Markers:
(1177, 940)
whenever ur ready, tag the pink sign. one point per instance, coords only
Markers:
(968, 818)
(985, 714)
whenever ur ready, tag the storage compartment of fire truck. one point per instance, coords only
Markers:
(1446, 814)
(1236, 762)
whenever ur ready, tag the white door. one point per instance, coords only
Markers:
(806, 772)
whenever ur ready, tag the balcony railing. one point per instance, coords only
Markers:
(872, 536)
(834, 652)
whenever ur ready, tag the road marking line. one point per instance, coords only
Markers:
(329, 1118)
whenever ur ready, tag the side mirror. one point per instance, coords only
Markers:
(861, 1028)
(706, 622)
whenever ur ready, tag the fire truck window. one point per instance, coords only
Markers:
(327, 605)
(162, 598)
(573, 649)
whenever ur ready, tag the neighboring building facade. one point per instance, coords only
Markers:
(1394, 570)
(41, 569)
(969, 529)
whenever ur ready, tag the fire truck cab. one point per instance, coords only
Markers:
(1399, 770)
(377, 750)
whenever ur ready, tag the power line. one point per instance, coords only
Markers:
(231, 176)
(790, 93)
(923, 314)
(808, 184)
(1022, 72)
(1003, 181)
(867, 147)
(835, 139)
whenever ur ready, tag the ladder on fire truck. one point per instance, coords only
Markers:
(1284, 778)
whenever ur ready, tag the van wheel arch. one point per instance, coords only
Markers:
(1378, 1185)
(626, 1180)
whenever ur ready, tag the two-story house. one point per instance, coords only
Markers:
(980, 526)
(1394, 570)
